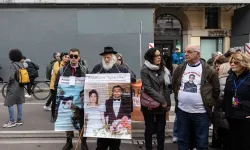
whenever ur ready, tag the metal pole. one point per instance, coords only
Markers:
(140, 44)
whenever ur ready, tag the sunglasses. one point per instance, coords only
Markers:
(73, 56)
(235, 62)
(119, 59)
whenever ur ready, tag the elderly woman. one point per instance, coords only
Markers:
(219, 61)
(121, 62)
(15, 92)
(237, 102)
(155, 81)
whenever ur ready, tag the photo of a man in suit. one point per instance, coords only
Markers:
(117, 105)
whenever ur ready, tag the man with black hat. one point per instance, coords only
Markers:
(108, 65)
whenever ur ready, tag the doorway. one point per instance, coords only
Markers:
(167, 36)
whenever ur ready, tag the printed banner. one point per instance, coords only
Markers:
(69, 103)
(107, 106)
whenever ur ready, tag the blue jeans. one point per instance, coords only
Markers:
(175, 134)
(200, 123)
(19, 113)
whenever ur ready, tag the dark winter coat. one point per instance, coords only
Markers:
(156, 88)
(243, 91)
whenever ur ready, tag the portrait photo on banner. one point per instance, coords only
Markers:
(107, 108)
(69, 104)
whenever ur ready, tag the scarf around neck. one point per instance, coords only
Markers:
(167, 76)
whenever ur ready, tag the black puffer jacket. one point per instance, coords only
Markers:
(243, 94)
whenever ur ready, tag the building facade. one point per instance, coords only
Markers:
(209, 27)
(41, 29)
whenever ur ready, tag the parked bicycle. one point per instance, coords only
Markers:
(40, 90)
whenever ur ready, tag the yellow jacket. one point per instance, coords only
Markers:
(55, 70)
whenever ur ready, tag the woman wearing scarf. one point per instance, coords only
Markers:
(155, 80)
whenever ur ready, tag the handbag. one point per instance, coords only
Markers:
(148, 101)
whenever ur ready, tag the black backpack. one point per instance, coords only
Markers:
(32, 69)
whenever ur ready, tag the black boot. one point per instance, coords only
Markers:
(84, 145)
(68, 145)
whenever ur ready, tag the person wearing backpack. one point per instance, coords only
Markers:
(64, 59)
(32, 69)
(49, 67)
(15, 90)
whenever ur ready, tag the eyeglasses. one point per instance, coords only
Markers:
(158, 55)
(189, 51)
(73, 56)
(119, 59)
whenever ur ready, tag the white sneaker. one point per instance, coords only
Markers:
(46, 108)
(174, 139)
(9, 125)
(27, 96)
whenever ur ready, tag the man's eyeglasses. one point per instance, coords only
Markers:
(189, 51)
(73, 56)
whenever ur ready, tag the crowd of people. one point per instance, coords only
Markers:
(212, 92)
(204, 93)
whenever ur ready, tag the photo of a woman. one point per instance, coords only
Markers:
(94, 114)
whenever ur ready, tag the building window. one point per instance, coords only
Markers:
(212, 16)
(167, 25)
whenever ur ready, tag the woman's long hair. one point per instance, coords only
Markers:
(150, 54)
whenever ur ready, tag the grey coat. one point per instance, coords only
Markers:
(15, 92)
(155, 87)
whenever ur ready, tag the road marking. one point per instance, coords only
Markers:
(55, 132)
(50, 141)
(29, 103)
(41, 141)
(32, 132)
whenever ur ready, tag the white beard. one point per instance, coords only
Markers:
(110, 64)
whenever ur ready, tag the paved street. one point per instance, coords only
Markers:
(56, 146)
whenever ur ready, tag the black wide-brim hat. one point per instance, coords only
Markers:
(108, 50)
